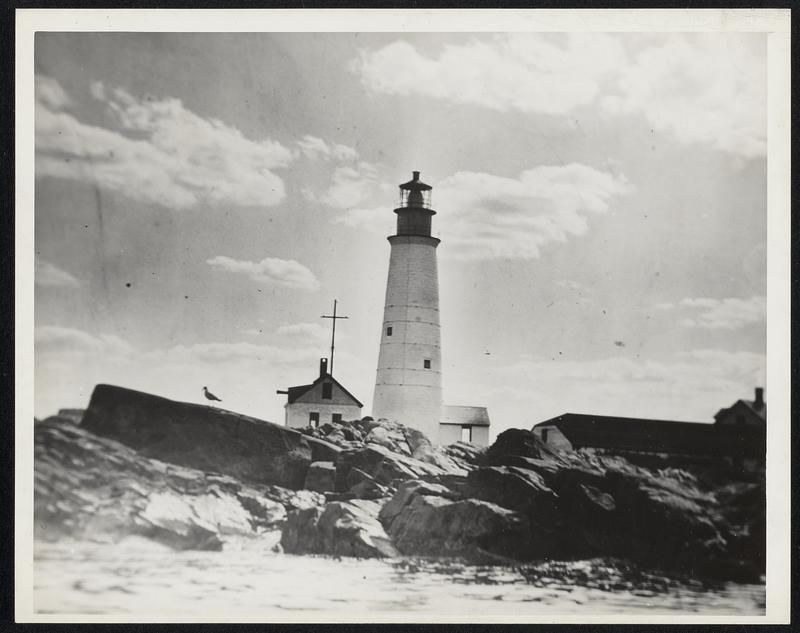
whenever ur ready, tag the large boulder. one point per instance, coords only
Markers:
(344, 434)
(657, 525)
(202, 437)
(382, 466)
(515, 443)
(523, 491)
(390, 437)
(405, 493)
(428, 519)
(470, 529)
(514, 488)
(321, 477)
(322, 450)
(419, 446)
(340, 528)
(588, 511)
(465, 451)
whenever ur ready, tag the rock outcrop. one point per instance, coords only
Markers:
(194, 477)
(97, 489)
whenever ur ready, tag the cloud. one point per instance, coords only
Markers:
(299, 332)
(161, 153)
(50, 93)
(493, 216)
(700, 88)
(56, 340)
(700, 302)
(687, 385)
(46, 274)
(98, 90)
(233, 353)
(725, 314)
(351, 186)
(270, 270)
(315, 148)
(550, 74)
(683, 367)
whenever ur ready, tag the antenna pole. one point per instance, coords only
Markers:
(333, 317)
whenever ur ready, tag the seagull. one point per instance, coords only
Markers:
(209, 395)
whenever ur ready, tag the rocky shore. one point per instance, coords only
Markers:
(192, 477)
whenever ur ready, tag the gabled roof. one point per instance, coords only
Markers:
(296, 392)
(634, 434)
(300, 390)
(761, 411)
(463, 415)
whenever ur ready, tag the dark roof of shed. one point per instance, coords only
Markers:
(464, 415)
(634, 434)
(299, 390)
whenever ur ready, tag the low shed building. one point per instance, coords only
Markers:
(572, 431)
(739, 433)
(324, 400)
(464, 424)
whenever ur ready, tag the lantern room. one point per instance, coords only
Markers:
(414, 212)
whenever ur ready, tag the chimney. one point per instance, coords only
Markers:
(323, 366)
(415, 174)
(759, 398)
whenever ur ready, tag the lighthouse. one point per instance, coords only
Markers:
(408, 385)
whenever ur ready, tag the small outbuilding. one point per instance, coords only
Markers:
(464, 424)
(324, 400)
(744, 413)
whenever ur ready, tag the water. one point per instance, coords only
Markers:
(246, 580)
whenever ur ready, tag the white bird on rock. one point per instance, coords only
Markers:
(209, 395)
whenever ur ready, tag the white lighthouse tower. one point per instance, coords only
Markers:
(408, 386)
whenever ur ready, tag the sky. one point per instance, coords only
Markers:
(202, 199)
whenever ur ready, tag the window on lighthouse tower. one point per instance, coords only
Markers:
(427, 363)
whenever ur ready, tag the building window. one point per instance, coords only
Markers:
(389, 331)
(336, 417)
(544, 435)
(466, 433)
(427, 363)
(313, 418)
(327, 391)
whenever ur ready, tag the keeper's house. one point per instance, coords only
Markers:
(324, 400)
(744, 413)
